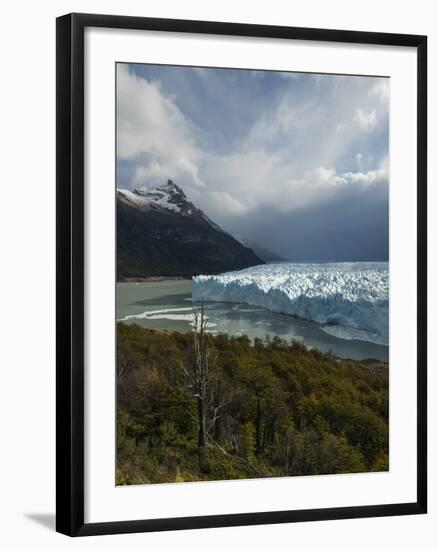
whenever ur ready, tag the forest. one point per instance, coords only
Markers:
(197, 407)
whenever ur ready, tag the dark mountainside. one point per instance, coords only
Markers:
(161, 233)
(262, 252)
(265, 254)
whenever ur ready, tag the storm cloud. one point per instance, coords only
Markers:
(297, 162)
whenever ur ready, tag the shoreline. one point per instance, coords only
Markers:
(370, 363)
(154, 279)
(310, 332)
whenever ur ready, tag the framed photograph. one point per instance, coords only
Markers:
(241, 274)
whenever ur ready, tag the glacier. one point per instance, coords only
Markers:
(340, 296)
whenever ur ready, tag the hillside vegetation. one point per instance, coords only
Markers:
(221, 407)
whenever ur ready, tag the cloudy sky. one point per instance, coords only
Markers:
(297, 162)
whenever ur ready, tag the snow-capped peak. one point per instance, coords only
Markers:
(168, 198)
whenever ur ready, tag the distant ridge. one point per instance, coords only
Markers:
(263, 253)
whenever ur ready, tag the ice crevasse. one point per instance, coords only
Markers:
(350, 294)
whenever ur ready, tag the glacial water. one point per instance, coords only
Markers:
(168, 305)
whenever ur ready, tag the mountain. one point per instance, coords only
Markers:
(263, 253)
(161, 233)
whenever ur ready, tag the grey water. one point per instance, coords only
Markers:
(167, 305)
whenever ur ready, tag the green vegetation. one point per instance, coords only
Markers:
(201, 407)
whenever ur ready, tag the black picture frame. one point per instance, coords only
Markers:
(70, 273)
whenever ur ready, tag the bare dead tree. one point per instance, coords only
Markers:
(196, 369)
(218, 400)
(127, 362)
(211, 396)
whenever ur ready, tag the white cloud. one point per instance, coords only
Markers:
(326, 182)
(285, 162)
(253, 181)
(367, 120)
(227, 202)
(381, 90)
(152, 129)
(372, 177)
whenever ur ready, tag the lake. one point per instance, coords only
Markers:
(168, 305)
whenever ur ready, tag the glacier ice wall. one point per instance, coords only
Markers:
(352, 294)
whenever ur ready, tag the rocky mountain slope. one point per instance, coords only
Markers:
(161, 233)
